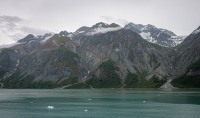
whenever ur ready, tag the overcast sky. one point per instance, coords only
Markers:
(21, 17)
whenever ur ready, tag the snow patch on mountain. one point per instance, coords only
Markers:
(156, 35)
(70, 35)
(17, 65)
(81, 32)
(147, 36)
(177, 40)
(46, 38)
(196, 31)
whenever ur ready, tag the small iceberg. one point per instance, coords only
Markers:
(89, 99)
(50, 107)
(86, 110)
(144, 101)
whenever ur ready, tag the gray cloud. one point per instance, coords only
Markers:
(9, 22)
(10, 19)
(13, 28)
(109, 19)
(179, 16)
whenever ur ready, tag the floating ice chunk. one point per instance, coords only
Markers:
(89, 99)
(86, 110)
(50, 107)
(144, 101)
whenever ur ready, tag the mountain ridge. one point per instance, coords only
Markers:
(63, 59)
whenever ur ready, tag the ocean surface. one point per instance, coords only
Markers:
(99, 103)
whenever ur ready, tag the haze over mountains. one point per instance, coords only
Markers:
(102, 56)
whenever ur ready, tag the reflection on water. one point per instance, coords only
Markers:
(99, 103)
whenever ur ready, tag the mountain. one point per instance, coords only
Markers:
(156, 35)
(127, 51)
(188, 61)
(100, 56)
(40, 63)
(97, 28)
(31, 37)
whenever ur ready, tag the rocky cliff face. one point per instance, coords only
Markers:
(187, 61)
(104, 55)
(41, 63)
(187, 52)
(127, 49)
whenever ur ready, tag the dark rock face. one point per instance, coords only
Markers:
(101, 56)
(63, 33)
(8, 61)
(82, 29)
(129, 51)
(187, 61)
(191, 78)
(187, 52)
(27, 39)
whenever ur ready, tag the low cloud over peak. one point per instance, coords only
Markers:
(13, 28)
(109, 19)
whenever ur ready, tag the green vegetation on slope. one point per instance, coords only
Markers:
(18, 80)
(65, 56)
(68, 81)
(108, 77)
(195, 66)
(4, 62)
(133, 81)
(189, 80)
(58, 59)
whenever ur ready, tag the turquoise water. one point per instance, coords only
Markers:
(99, 103)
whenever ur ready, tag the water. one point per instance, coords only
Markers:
(99, 103)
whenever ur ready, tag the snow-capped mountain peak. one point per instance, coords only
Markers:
(63, 33)
(99, 25)
(196, 31)
(30, 38)
(82, 29)
(156, 35)
(102, 28)
(98, 28)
